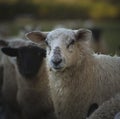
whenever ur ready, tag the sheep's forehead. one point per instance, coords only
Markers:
(60, 34)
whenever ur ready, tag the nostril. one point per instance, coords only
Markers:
(56, 61)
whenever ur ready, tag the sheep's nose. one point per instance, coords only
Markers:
(56, 62)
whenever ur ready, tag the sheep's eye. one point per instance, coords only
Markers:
(71, 43)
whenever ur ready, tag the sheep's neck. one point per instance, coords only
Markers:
(70, 88)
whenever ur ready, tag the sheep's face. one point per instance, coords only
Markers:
(60, 47)
(63, 48)
(29, 59)
(29, 56)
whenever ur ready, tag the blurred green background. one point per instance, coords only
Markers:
(48, 14)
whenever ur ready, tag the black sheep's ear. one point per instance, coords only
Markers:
(12, 52)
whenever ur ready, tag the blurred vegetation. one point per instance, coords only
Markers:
(69, 13)
(110, 30)
(61, 9)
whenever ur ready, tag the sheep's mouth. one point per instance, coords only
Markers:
(57, 68)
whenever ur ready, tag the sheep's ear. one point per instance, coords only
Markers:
(83, 34)
(36, 36)
(3, 43)
(13, 52)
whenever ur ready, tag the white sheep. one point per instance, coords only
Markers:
(108, 109)
(78, 77)
(33, 91)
